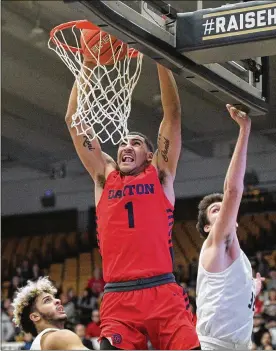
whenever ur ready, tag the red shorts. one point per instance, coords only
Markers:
(160, 314)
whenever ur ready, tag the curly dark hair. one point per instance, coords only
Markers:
(202, 218)
(28, 325)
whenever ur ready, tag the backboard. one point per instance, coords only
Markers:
(163, 32)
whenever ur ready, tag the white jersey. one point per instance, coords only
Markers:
(36, 343)
(225, 305)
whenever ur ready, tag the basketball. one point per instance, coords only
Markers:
(101, 46)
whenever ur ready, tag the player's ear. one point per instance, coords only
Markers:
(34, 317)
(207, 228)
(149, 156)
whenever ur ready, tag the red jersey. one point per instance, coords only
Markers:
(134, 227)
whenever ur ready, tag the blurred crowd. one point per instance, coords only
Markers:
(264, 330)
(83, 311)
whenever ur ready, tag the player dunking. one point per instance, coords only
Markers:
(226, 290)
(134, 206)
(38, 312)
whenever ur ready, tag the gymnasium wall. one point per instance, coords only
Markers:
(196, 176)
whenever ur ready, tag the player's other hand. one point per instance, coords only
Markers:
(89, 64)
(238, 116)
(258, 283)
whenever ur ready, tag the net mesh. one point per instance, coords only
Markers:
(104, 91)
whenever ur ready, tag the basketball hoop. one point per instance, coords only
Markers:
(104, 91)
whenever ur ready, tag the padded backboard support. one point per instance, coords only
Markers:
(232, 32)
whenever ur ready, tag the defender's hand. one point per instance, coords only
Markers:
(240, 117)
(258, 283)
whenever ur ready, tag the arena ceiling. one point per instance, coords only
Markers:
(36, 87)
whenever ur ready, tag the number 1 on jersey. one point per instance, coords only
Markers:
(251, 305)
(129, 208)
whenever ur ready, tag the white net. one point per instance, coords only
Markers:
(104, 91)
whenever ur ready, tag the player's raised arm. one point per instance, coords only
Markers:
(62, 340)
(94, 160)
(169, 137)
(233, 187)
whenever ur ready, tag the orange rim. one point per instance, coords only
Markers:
(82, 24)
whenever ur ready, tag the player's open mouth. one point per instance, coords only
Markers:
(127, 159)
(60, 309)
